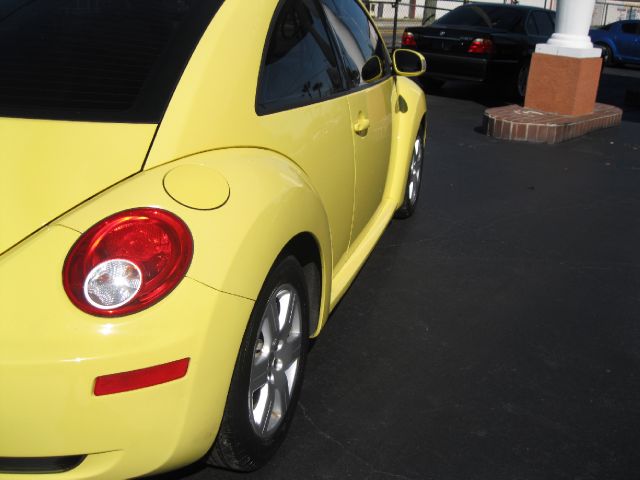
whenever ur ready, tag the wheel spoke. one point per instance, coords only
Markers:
(290, 351)
(281, 387)
(288, 321)
(259, 374)
(268, 410)
(270, 325)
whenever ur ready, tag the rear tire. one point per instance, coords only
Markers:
(522, 79)
(607, 55)
(268, 374)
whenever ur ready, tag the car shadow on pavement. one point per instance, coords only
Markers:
(483, 94)
(198, 467)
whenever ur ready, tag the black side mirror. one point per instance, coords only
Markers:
(372, 70)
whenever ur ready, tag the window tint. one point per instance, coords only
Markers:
(491, 16)
(300, 64)
(357, 38)
(109, 60)
(540, 23)
(532, 26)
(630, 27)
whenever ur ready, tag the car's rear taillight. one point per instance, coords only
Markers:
(127, 262)
(481, 45)
(408, 40)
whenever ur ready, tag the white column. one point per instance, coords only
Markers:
(571, 38)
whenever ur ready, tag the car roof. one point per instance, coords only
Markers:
(620, 22)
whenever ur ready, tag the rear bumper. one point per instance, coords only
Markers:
(455, 67)
(51, 354)
(467, 68)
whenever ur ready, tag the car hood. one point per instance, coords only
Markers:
(48, 167)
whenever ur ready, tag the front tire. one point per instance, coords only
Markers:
(268, 374)
(414, 177)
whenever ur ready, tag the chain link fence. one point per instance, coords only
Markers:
(393, 16)
(605, 13)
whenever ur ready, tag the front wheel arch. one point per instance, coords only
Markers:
(414, 175)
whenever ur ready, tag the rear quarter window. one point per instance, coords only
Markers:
(300, 66)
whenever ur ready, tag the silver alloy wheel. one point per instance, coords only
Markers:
(277, 352)
(415, 170)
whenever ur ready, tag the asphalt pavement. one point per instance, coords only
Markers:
(496, 334)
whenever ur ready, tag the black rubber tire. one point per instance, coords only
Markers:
(607, 55)
(237, 446)
(408, 207)
(521, 80)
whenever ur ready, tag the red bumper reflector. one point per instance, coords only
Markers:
(136, 379)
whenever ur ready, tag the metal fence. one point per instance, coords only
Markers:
(605, 13)
(393, 16)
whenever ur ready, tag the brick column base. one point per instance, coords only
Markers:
(513, 122)
(563, 85)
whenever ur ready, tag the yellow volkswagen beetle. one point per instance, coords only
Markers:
(188, 188)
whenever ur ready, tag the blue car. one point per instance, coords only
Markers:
(620, 42)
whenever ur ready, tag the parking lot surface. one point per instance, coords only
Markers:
(495, 334)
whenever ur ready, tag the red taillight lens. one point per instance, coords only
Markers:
(136, 379)
(481, 45)
(127, 262)
(408, 40)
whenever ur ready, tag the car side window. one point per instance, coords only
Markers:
(357, 38)
(540, 23)
(545, 24)
(631, 28)
(300, 65)
(532, 26)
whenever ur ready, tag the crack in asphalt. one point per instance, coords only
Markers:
(372, 468)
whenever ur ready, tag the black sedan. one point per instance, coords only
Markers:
(482, 43)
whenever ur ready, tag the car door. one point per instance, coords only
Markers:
(628, 41)
(540, 26)
(304, 112)
(369, 104)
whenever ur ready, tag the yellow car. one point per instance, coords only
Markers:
(188, 188)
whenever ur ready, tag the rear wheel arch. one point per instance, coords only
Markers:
(306, 249)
